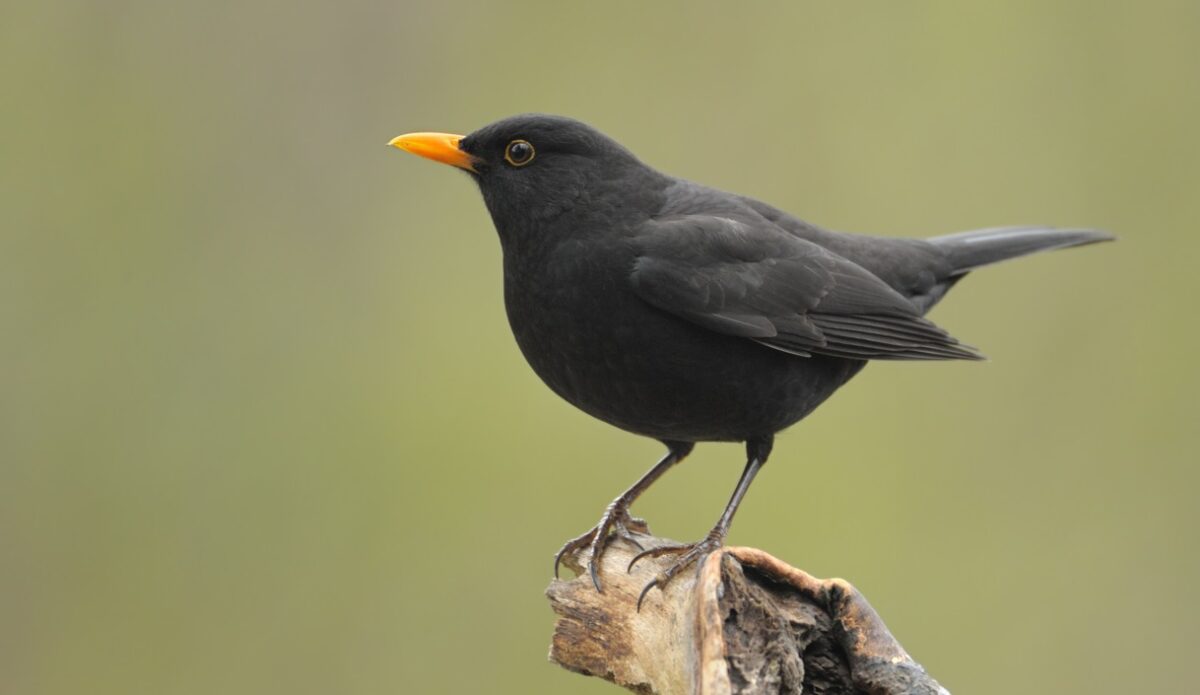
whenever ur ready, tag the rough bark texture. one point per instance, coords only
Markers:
(744, 623)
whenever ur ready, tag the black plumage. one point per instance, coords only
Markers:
(688, 314)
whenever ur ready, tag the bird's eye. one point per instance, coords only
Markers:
(518, 153)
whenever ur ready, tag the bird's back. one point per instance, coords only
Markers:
(915, 268)
(924, 269)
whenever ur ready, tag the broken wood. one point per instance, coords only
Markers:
(745, 622)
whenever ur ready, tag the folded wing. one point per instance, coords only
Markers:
(748, 278)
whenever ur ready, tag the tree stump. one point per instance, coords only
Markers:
(745, 622)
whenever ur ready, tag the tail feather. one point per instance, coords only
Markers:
(969, 250)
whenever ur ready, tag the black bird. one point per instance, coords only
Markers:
(688, 314)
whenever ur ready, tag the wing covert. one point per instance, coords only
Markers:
(749, 279)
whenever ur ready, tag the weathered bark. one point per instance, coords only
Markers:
(744, 623)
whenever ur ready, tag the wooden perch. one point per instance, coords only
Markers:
(745, 623)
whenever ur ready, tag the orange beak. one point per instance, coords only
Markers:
(440, 147)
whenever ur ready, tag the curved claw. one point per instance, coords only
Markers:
(570, 547)
(655, 552)
(691, 554)
(645, 590)
(597, 550)
(615, 522)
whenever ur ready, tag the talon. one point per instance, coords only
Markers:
(592, 564)
(691, 554)
(655, 552)
(597, 551)
(614, 523)
(570, 547)
(645, 590)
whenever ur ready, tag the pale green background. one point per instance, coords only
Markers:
(263, 428)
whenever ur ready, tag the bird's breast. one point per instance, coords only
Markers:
(594, 342)
(572, 313)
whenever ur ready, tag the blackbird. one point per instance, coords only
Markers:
(687, 314)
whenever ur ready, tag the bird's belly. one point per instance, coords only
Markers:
(649, 372)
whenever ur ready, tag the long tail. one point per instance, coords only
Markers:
(969, 250)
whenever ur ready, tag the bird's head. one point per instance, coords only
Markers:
(534, 167)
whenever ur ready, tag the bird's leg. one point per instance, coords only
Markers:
(616, 518)
(757, 451)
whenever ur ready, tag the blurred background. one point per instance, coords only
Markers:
(263, 427)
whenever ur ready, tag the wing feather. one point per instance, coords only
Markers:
(745, 277)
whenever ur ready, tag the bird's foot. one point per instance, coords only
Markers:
(615, 523)
(690, 553)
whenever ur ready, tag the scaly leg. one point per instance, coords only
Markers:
(616, 519)
(757, 451)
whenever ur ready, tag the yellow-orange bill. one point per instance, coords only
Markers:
(440, 147)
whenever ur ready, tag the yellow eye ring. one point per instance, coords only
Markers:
(519, 153)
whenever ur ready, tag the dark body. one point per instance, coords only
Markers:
(602, 347)
(688, 314)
